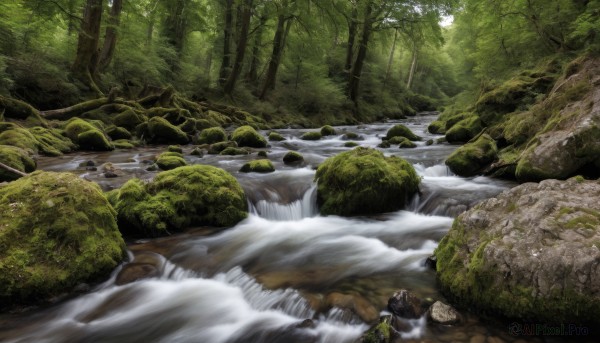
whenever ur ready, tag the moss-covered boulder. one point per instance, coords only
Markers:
(274, 136)
(170, 160)
(17, 109)
(531, 253)
(258, 166)
(293, 158)
(15, 158)
(58, 230)
(37, 139)
(175, 148)
(363, 181)
(233, 151)
(180, 198)
(87, 136)
(402, 131)
(352, 136)
(471, 158)
(212, 135)
(350, 144)
(327, 130)
(311, 136)
(405, 143)
(117, 132)
(437, 127)
(247, 136)
(162, 132)
(129, 119)
(464, 130)
(217, 148)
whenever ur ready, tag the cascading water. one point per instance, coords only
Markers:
(285, 274)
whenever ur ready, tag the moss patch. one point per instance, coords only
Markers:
(471, 158)
(57, 230)
(162, 132)
(292, 157)
(170, 160)
(247, 136)
(311, 136)
(327, 130)
(274, 136)
(464, 130)
(401, 131)
(258, 166)
(212, 135)
(363, 181)
(16, 158)
(179, 198)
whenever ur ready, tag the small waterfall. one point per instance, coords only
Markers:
(296, 210)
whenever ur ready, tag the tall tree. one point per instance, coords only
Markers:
(86, 58)
(110, 36)
(227, 36)
(241, 48)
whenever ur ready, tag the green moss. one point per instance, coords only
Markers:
(161, 131)
(94, 140)
(247, 136)
(311, 136)
(16, 158)
(350, 144)
(262, 153)
(351, 136)
(123, 144)
(212, 135)
(58, 230)
(471, 158)
(49, 142)
(175, 148)
(327, 130)
(217, 148)
(16, 109)
(363, 181)
(384, 145)
(437, 127)
(170, 160)
(292, 157)
(464, 130)
(402, 131)
(380, 333)
(258, 166)
(129, 119)
(274, 136)
(232, 151)
(179, 198)
(406, 144)
(117, 132)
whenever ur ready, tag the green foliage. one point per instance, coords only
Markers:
(58, 230)
(364, 181)
(179, 198)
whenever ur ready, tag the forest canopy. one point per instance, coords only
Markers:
(367, 58)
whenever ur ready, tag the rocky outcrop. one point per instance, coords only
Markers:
(533, 252)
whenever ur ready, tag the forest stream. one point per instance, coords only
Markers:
(262, 279)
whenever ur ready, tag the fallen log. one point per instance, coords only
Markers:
(12, 170)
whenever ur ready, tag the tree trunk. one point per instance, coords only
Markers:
(388, 70)
(87, 45)
(226, 61)
(71, 24)
(252, 76)
(352, 29)
(413, 67)
(278, 44)
(175, 26)
(241, 49)
(354, 82)
(110, 37)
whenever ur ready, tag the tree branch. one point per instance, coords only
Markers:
(12, 170)
(64, 10)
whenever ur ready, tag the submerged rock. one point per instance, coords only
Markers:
(531, 253)
(311, 136)
(274, 136)
(364, 181)
(58, 231)
(405, 305)
(179, 198)
(293, 158)
(444, 314)
(382, 332)
(471, 158)
(258, 166)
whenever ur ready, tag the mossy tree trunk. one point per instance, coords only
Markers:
(278, 45)
(355, 74)
(86, 58)
(111, 35)
(227, 34)
(241, 48)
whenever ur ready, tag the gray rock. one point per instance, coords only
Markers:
(405, 304)
(531, 252)
(443, 314)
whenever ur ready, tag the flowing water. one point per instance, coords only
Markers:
(285, 274)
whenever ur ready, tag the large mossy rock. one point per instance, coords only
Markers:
(162, 132)
(258, 166)
(247, 136)
(170, 160)
(87, 136)
(50, 142)
(15, 158)
(363, 181)
(471, 158)
(401, 131)
(180, 198)
(58, 230)
(464, 130)
(531, 253)
(212, 135)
